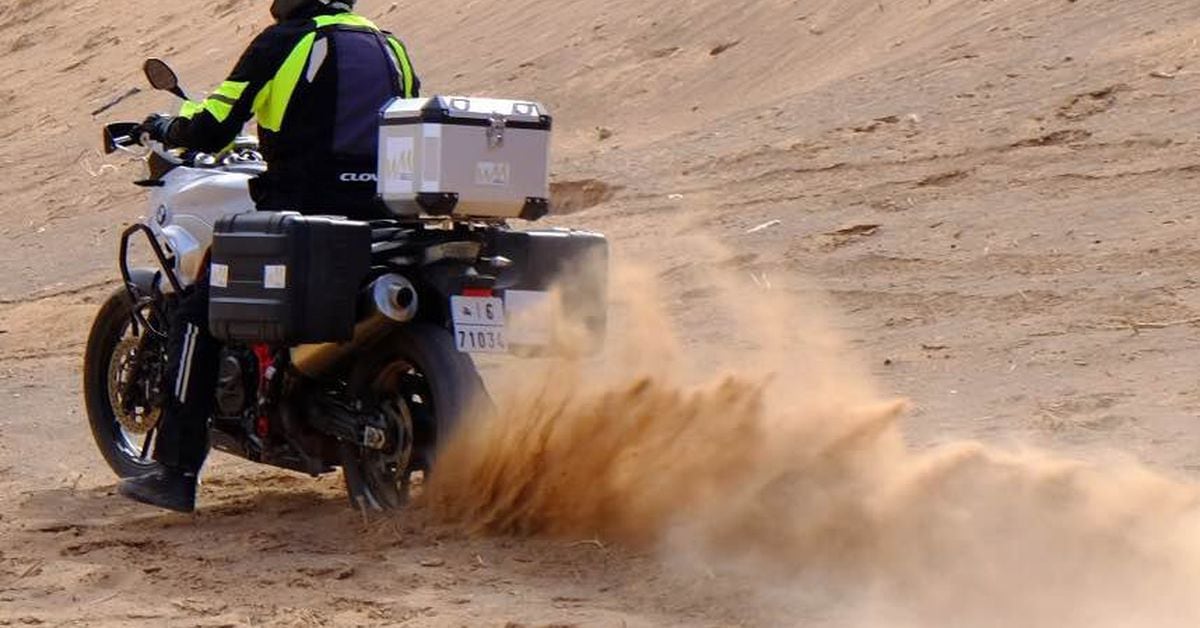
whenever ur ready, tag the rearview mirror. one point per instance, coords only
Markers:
(162, 77)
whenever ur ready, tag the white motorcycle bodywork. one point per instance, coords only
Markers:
(185, 208)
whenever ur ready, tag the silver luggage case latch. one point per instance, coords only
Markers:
(495, 133)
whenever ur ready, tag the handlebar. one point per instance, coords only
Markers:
(123, 136)
(120, 135)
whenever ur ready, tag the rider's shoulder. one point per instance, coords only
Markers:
(282, 35)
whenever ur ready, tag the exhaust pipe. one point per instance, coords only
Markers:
(391, 299)
(395, 297)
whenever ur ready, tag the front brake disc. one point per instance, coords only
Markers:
(136, 416)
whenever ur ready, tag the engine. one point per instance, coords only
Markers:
(237, 385)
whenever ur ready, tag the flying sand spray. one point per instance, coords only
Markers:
(798, 481)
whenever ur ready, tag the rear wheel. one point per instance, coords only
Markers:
(424, 389)
(122, 386)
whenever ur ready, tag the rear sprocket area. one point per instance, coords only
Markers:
(378, 471)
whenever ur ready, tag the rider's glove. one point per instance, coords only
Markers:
(156, 126)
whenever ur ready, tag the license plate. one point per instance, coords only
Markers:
(479, 339)
(479, 324)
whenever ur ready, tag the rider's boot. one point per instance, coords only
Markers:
(182, 441)
(167, 488)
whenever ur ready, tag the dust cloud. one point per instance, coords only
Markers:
(789, 472)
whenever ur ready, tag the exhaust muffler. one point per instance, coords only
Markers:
(391, 299)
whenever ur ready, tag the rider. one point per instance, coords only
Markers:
(315, 81)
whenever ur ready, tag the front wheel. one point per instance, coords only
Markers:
(123, 369)
(426, 389)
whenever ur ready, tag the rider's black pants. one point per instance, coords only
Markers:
(192, 379)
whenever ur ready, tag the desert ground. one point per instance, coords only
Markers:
(983, 207)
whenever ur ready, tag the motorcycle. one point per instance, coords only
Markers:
(376, 404)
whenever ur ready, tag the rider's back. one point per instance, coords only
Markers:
(315, 82)
(323, 153)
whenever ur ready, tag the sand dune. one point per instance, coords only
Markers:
(983, 207)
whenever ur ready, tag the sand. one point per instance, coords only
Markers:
(983, 208)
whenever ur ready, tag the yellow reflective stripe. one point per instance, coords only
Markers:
(405, 65)
(271, 103)
(218, 108)
(219, 104)
(344, 19)
(231, 90)
(189, 109)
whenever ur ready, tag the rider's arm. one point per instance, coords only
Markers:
(213, 124)
(411, 84)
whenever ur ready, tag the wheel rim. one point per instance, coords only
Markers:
(387, 472)
(135, 421)
(413, 389)
(389, 467)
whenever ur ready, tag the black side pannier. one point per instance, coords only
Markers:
(576, 262)
(284, 278)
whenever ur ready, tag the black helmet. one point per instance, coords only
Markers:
(283, 9)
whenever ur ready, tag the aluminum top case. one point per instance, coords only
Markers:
(465, 157)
